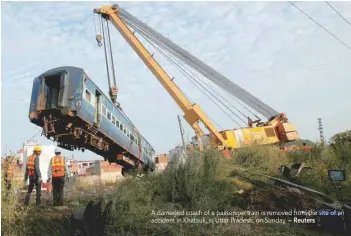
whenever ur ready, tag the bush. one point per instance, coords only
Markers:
(265, 159)
(341, 138)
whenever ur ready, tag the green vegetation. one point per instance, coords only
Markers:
(205, 181)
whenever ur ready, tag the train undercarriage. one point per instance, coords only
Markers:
(72, 133)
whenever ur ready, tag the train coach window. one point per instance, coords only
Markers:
(113, 120)
(109, 115)
(103, 109)
(117, 123)
(87, 95)
(125, 130)
(121, 127)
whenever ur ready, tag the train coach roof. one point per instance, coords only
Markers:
(66, 68)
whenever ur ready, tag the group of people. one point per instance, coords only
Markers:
(57, 174)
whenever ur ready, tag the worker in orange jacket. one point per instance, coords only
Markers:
(9, 172)
(305, 148)
(58, 170)
(34, 175)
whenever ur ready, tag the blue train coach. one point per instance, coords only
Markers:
(76, 114)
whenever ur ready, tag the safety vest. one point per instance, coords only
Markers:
(58, 166)
(306, 148)
(31, 165)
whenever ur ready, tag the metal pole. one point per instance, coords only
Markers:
(181, 131)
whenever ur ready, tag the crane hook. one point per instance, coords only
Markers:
(98, 39)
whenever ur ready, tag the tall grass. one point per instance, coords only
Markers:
(203, 182)
(264, 159)
(198, 184)
(12, 210)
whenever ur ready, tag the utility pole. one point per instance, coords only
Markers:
(321, 135)
(181, 131)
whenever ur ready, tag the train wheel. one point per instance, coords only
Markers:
(123, 172)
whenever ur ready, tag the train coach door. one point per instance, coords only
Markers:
(62, 94)
(97, 108)
(42, 94)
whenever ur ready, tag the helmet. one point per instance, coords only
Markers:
(37, 149)
(57, 150)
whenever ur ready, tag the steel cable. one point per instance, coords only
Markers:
(185, 71)
(204, 69)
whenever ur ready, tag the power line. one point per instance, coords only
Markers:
(320, 25)
(338, 13)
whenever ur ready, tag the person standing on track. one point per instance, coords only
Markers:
(34, 174)
(58, 170)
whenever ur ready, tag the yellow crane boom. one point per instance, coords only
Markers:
(276, 130)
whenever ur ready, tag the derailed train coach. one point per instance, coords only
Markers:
(76, 114)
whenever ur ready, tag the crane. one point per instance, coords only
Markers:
(276, 129)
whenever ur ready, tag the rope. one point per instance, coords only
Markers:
(35, 135)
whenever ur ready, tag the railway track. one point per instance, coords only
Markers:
(328, 201)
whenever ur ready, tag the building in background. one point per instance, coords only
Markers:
(78, 168)
(161, 162)
(105, 171)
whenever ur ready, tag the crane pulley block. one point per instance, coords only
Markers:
(113, 93)
(114, 90)
(98, 39)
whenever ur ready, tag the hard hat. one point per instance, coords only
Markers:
(37, 149)
(57, 150)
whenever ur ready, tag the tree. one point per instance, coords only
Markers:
(343, 138)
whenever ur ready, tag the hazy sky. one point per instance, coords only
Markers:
(269, 48)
